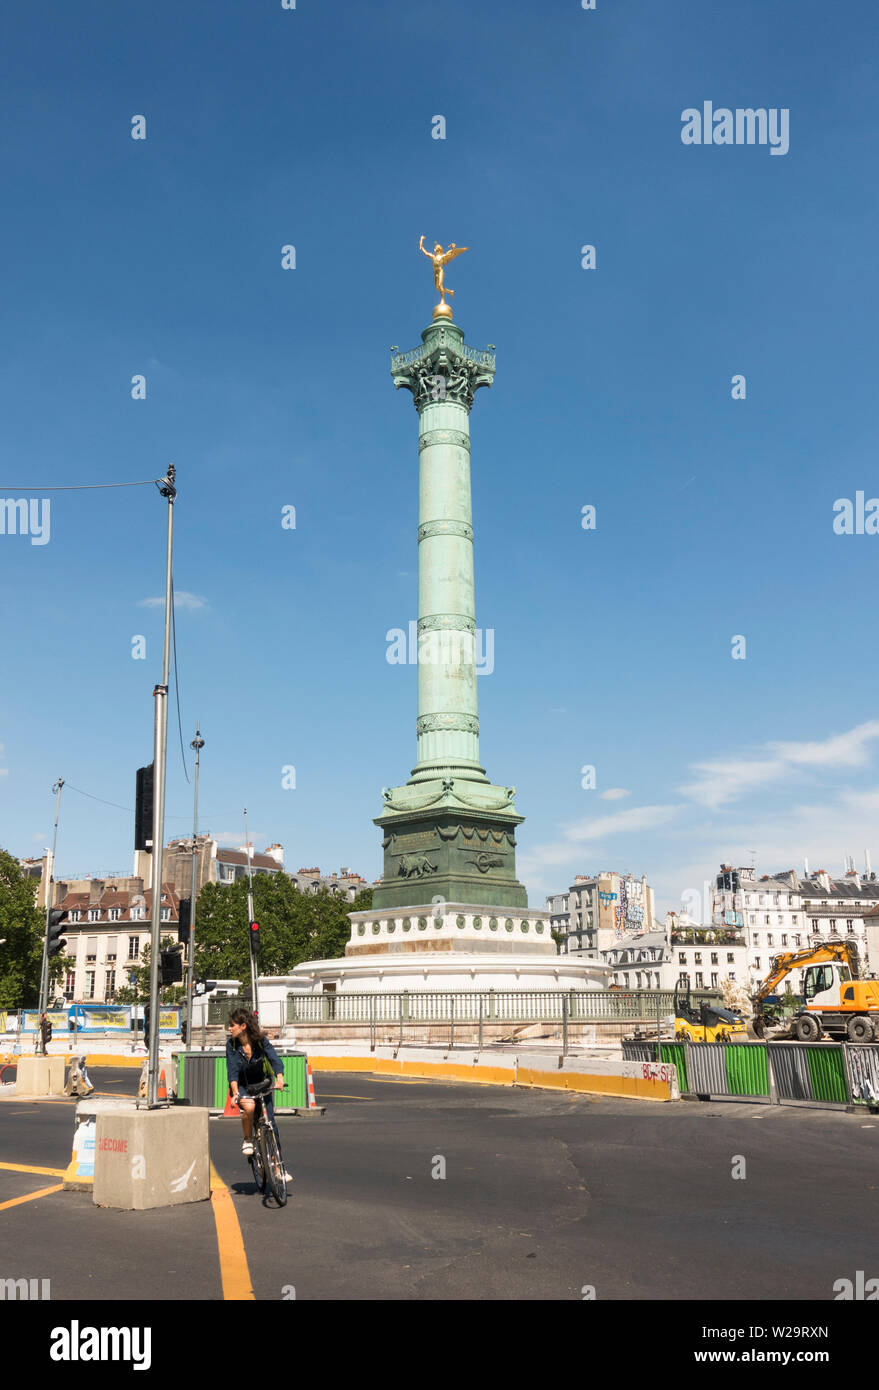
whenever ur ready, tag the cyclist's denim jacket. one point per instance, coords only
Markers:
(235, 1059)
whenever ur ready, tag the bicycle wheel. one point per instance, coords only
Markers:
(257, 1167)
(271, 1158)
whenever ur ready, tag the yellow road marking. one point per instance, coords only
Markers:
(23, 1168)
(331, 1095)
(31, 1196)
(234, 1273)
(402, 1080)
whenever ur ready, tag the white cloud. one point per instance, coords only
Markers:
(728, 779)
(614, 794)
(182, 599)
(623, 822)
(566, 851)
(840, 750)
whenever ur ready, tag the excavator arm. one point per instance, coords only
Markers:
(787, 961)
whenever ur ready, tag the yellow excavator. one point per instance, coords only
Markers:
(837, 1002)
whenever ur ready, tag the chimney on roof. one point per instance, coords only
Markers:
(867, 863)
(806, 867)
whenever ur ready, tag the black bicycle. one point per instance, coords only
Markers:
(265, 1161)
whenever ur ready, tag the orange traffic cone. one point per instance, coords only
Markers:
(312, 1103)
(231, 1109)
(162, 1089)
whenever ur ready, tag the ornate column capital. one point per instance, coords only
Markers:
(443, 368)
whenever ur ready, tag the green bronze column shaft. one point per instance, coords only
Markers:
(447, 725)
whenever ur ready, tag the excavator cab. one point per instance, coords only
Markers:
(705, 1022)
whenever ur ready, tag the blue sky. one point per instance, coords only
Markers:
(268, 388)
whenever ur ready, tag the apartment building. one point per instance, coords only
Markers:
(788, 912)
(706, 956)
(599, 909)
(106, 931)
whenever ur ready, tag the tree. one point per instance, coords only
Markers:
(23, 926)
(139, 992)
(293, 926)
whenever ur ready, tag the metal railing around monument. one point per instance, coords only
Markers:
(487, 1006)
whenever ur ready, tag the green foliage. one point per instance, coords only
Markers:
(293, 926)
(139, 993)
(23, 925)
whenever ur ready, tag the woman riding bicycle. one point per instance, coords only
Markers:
(250, 1058)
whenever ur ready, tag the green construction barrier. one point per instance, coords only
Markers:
(827, 1070)
(676, 1053)
(747, 1069)
(294, 1095)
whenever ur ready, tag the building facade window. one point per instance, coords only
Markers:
(114, 914)
(133, 947)
(94, 914)
(90, 984)
(699, 980)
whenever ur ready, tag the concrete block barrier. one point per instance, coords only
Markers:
(151, 1158)
(642, 1080)
(40, 1076)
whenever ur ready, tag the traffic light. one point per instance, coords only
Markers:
(184, 924)
(143, 809)
(171, 966)
(203, 986)
(55, 942)
(254, 940)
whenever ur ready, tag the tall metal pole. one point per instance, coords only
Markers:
(197, 743)
(253, 970)
(160, 750)
(50, 879)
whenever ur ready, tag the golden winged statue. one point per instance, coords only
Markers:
(440, 260)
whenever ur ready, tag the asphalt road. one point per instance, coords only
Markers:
(544, 1194)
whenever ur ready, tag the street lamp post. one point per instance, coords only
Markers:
(198, 744)
(254, 964)
(160, 694)
(50, 879)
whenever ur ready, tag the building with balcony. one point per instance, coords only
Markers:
(787, 912)
(106, 931)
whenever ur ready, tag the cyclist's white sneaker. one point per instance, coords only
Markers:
(247, 1148)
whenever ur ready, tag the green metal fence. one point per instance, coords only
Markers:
(488, 1006)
